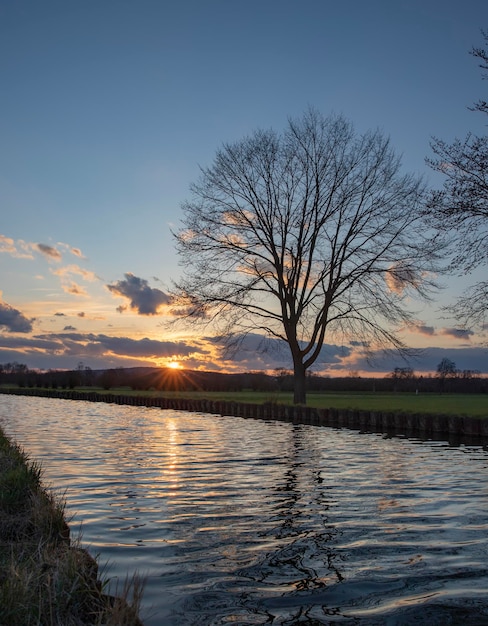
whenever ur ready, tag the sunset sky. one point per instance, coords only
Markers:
(109, 107)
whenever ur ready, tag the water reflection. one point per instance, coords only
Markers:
(252, 522)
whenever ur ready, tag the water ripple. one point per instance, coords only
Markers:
(240, 521)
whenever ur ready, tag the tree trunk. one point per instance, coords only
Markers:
(299, 379)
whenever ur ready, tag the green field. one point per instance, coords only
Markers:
(449, 404)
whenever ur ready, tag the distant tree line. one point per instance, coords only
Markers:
(19, 374)
(448, 378)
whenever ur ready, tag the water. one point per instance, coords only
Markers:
(239, 521)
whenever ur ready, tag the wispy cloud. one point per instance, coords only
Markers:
(74, 289)
(70, 286)
(25, 249)
(16, 249)
(74, 251)
(142, 298)
(75, 270)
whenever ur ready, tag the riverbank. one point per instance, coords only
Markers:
(46, 577)
(401, 423)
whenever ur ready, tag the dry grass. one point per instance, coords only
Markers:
(47, 579)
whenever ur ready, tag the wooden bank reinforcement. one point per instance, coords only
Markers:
(426, 425)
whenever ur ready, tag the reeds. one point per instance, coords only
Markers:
(46, 578)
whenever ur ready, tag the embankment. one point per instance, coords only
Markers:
(46, 577)
(424, 425)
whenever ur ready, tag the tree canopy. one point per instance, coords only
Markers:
(303, 233)
(460, 208)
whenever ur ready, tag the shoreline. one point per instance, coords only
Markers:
(46, 576)
(400, 423)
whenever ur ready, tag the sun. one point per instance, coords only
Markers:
(174, 365)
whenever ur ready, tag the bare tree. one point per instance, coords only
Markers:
(461, 207)
(447, 369)
(304, 233)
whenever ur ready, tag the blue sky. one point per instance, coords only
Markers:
(109, 107)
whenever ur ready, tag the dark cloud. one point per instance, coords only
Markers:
(457, 333)
(124, 346)
(69, 328)
(145, 347)
(13, 320)
(60, 314)
(142, 298)
(425, 362)
(253, 352)
(41, 343)
(424, 330)
(64, 350)
(49, 251)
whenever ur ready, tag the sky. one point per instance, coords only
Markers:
(109, 108)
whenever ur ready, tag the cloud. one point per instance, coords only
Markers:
(74, 251)
(13, 320)
(7, 245)
(19, 249)
(49, 251)
(145, 347)
(70, 270)
(70, 286)
(100, 344)
(142, 298)
(400, 276)
(66, 328)
(426, 361)
(423, 329)
(256, 352)
(457, 333)
(65, 349)
(74, 289)
(24, 249)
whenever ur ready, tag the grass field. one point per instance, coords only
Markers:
(449, 404)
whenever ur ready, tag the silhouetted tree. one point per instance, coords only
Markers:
(446, 369)
(305, 233)
(461, 207)
(403, 373)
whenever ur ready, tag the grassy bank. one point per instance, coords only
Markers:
(45, 577)
(474, 405)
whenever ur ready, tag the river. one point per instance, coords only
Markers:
(242, 521)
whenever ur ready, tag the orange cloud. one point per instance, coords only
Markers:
(68, 270)
(74, 289)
